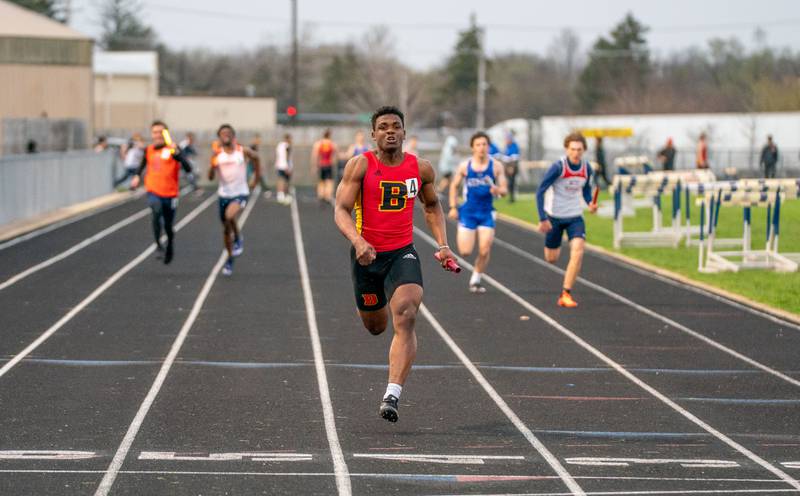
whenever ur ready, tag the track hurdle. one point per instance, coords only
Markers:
(652, 186)
(790, 189)
(743, 185)
(710, 260)
(633, 165)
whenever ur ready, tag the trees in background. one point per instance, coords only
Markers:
(459, 79)
(122, 28)
(618, 68)
(54, 9)
(616, 75)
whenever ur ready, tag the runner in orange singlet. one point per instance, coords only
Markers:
(161, 164)
(323, 155)
(380, 186)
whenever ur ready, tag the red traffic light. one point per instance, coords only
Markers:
(291, 111)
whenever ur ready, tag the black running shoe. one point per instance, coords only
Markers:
(168, 253)
(389, 408)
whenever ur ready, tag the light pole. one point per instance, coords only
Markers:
(480, 118)
(295, 59)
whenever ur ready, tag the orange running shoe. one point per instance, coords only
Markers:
(565, 300)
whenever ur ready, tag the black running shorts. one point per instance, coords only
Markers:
(375, 283)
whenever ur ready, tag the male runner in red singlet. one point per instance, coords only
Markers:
(381, 186)
(323, 155)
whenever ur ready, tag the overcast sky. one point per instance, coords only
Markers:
(425, 31)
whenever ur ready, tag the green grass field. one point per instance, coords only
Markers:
(779, 290)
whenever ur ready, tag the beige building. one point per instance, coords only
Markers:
(125, 90)
(46, 71)
(126, 99)
(207, 113)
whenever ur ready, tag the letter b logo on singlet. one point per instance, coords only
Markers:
(395, 193)
(393, 196)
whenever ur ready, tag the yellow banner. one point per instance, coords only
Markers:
(606, 132)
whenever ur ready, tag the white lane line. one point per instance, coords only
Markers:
(627, 462)
(122, 451)
(647, 493)
(653, 314)
(251, 456)
(444, 459)
(395, 475)
(339, 465)
(692, 288)
(99, 291)
(75, 248)
(623, 371)
(551, 460)
(65, 222)
(47, 455)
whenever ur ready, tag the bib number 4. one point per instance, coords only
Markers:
(395, 193)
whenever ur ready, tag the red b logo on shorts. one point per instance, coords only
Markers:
(370, 299)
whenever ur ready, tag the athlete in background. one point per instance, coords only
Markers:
(231, 161)
(161, 165)
(560, 200)
(484, 179)
(323, 156)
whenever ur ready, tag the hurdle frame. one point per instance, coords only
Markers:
(652, 186)
(712, 261)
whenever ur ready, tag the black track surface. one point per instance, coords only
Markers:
(244, 386)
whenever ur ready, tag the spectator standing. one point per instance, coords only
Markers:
(132, 155)
(512, 165)
(600, 158)
(667, 156)
(769, 158)
(701, 157)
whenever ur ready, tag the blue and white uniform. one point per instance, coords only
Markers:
(478, 207)
(560, 199)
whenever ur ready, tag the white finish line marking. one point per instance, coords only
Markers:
(450, 459)
(226, 457)
(627, 462)
(47, 455)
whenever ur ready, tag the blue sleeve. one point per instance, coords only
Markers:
(587, 188)
(549, 178)
(512, 150)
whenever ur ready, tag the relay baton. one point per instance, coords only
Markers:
(451, 264)
(596, 193)
(167, 137)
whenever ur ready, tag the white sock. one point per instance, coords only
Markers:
(394, 390)
(280, 195)
(475, 279)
